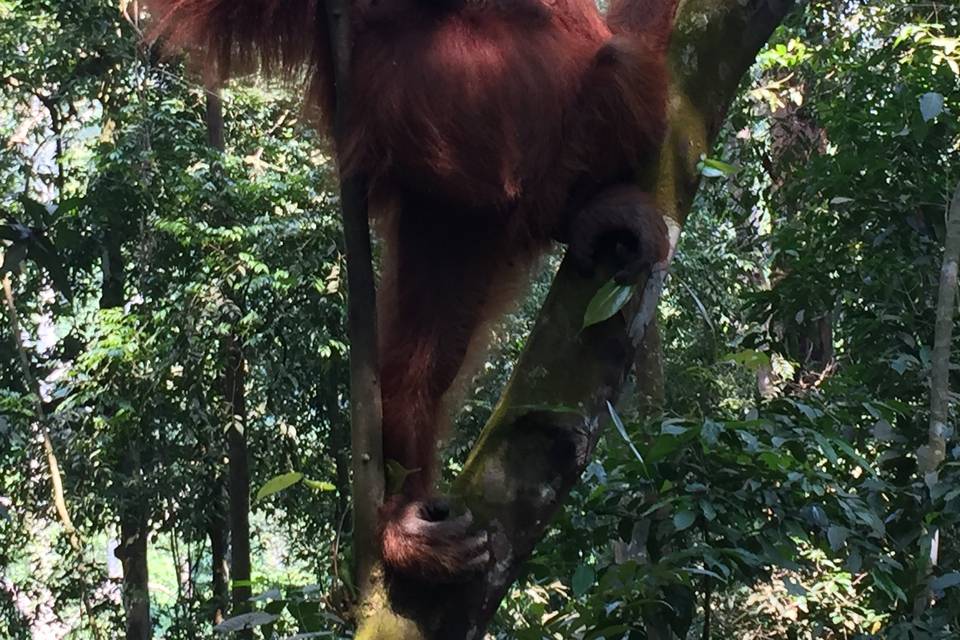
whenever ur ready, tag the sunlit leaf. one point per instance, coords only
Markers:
(931, 105)
(711, 168)
(622, 430)
(245, 621)
(749, 358)
(610, 299)
(278, 484)
(318, 485)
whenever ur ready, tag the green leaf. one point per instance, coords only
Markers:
(670, 429)
(704, 572)
(749, 358)
(837, 535)
(856, 457)
(826, 448)
(610, 299)
(931, 105)
(946, 581)
(583, 579)
(708, 510)
(711, 168)
(318, 485)
(278, 484)
(623, 433)
(245, 621)
(684, 520)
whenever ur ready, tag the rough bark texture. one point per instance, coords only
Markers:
(366, 411)
(544, 429)
(934, 453)
(219, 546)
(650, 392)
(931, 455)
(239, 479)
(132, 553)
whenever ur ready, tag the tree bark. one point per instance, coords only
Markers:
(239, 479)
(931, 455)
(219, 527)
(132, 552)
(218, 533)
(234, 390)
(526, 460)
(648, 370)
(366, 409)
(934, 453)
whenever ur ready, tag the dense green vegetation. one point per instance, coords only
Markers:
(767, 475)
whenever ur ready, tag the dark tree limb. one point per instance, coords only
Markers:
(365, 399)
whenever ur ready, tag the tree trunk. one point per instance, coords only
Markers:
(219, 546)
(219, 527)
(239, 479)
(234, 381)
(934, 453)
(648, 369)
(931, 455)
(132, 552)
(366, 410)
(134, 532)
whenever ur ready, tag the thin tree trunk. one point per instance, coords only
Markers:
(219, 529)
(931, 455)
(935, 452)
(235, 393)
(239, 479)
(132, 552)
(133, 509)
(53, 465)
(366, 411)
(132, 548)
(219, 547)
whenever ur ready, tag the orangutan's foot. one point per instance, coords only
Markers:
(421, 539)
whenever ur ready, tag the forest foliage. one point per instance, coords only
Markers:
(761, 477)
